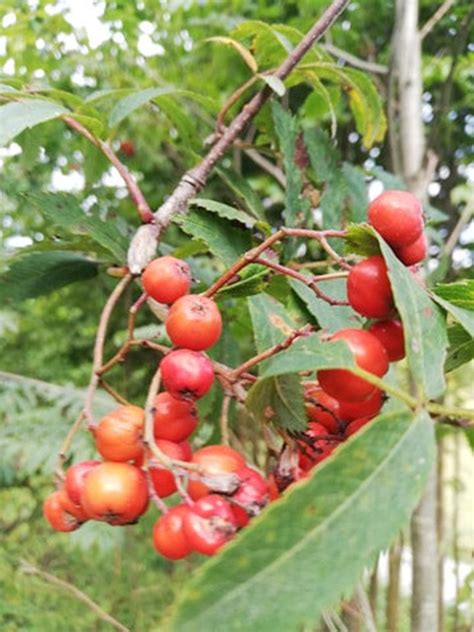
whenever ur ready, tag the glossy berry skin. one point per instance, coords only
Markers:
(119, 435)
(56, 510)
(163, 479)
(368, 288)
(174, 419)
(186, 374)
(252, 493)
(368, 408)
(166, 279)
(368, 353)
(215, 460)
(209, 524)
(413, 253)
(390, 334)
(321, 407)
(397, 216)
(168, 534)
(356, 425)
(75, 477)
(116, 493)
(194, 322)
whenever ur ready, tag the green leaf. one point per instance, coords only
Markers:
(136, 99)
(323, 154)
(243, 190)
(252, 280)
(275, 84)
(282, 395)
(424, 326)
(17, 116)
(246, 55)
(460, 294)
(40, 273)
(224, 240)
(461, 348)
(329, 317)
(310, 547)
(225, 211)
(360, 239)
(464, 316)
(63, 209)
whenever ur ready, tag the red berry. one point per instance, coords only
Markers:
(209, 524)
(397, 216)
(368, 288)
(356, 425)
(370, 407)
(390, 334)
(116, 493)
(119, 435)
(415, 252)
(127, 148)
(369, 354)
(320, 450)
(174, 419)
(61, 513)
(75, 477)
(166, 279)
(187, 374)
(273, 490)
(215, 461)
(252, 493)
(163, 479)
(168, 534)
(321, 407)
(194, 322)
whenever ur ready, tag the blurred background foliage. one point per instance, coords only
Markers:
(86, 47)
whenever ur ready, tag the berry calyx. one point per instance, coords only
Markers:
(169, 538)
(368, 288)
(215, 461)
(187, 374)
(75, 477)
(194, 322)
(390, 334)
(116, 493)
(163, 480)
(118, 436)
(209, 524)
(174, 419)
(166, 279)
(413, 253)
(368, 353)
(397, 216)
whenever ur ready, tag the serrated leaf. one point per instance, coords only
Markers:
(461, 348)
(283, 395)
(253, 280)
(275, 84)
(329, 317)
(243, 190)
(223, 239)
(460, 294)
(246, 55)
(224, 210)
(63, 209)
(17, 116)
(323, 154)
(40, 273)
(424, 326)
(136, 99)
(91, 123)
(310, 547)
(360, 239)
(463, 316)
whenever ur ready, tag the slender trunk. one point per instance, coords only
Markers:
(393, 589)
(440, 531)
(455, 525)
(407, 88)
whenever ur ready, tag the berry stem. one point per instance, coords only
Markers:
(63, 452)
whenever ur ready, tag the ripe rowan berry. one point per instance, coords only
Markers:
(356, 425)
(397, 216)
(61, 513)
(215, 461)
(194, 322)
(390, 334)
(162, 478)
(370, 407)
(169, 538)
(174, 419)
(321, 407)
(166, 279)
(415, 252)
(209, 524)
(252, 492)
(368, 353)
(116, 493)
(75, 477)
(368, 288)
(187, 374)
(119, 435)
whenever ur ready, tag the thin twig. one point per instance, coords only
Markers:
(224, 421)
(62, 454)
(29, 569)
(267, 166)
(234, 97)
(357, 62)
(453, 238)
(435, 18)
(134, 190)
(111, 391)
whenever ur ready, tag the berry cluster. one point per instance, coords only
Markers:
(341, 403)
(219, 492)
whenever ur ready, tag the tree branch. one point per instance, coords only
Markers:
(435, 18)
(352, 60)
